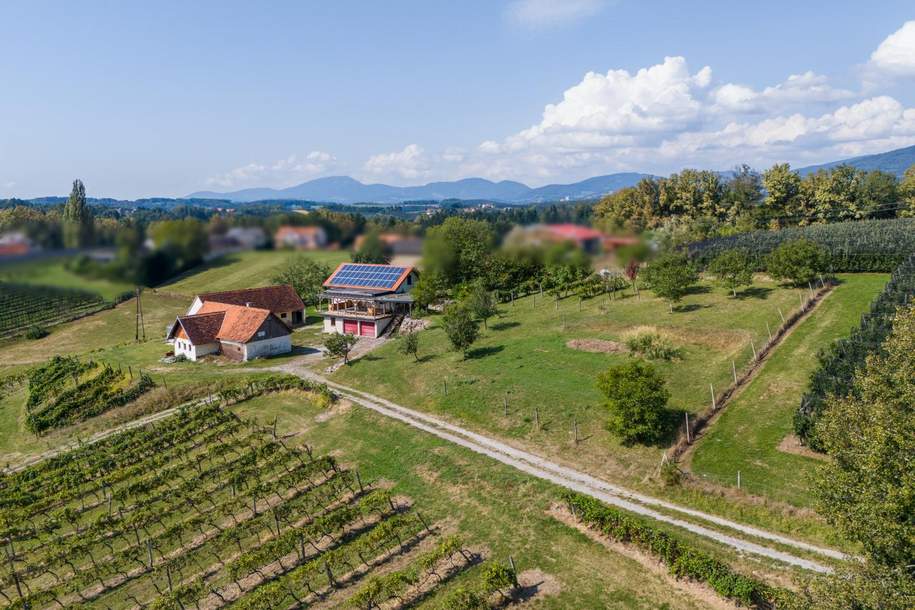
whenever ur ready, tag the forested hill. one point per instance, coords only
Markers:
(893, 162)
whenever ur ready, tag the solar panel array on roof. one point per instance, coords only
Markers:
(367, 276)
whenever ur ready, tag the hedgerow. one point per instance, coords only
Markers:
(857, 246)
(839, 363)
(682, 561)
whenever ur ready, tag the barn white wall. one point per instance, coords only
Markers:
(268, 347)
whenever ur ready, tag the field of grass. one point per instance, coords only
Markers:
(747, 435)
(52, 272)
(523, 361)
(242, 270)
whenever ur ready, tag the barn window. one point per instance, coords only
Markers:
(262, 333)
(282, 315)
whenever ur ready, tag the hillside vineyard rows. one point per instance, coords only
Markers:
(205, 508)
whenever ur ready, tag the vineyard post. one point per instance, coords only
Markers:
(149, 552)
(130, 370)
(781, 315)
(505, 405)
(712, 389)
(577, 437)
(734, 370)
(330, 576)
(686, 415)
(537, 418)
(358, 481)
(9, 558)
(274, 427)
(738, 479)
(445, 386)
(769, 330)
(512, 296)
(753, 347)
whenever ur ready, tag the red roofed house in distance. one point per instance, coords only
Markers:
(364, 299)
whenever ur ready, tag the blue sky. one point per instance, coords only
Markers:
(161, 98)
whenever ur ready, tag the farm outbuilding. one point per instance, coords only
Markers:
(235, 331)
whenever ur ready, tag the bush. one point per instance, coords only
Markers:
(34, 332)
(339, 345)
(653, 346)
(637, 402)
(461, 328)
(799, 262)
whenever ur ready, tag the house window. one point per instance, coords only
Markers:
(262, 333)
(282, 315)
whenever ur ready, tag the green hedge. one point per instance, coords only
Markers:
(856, 246)
(682, 560)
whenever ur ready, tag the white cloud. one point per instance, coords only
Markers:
(797, 90)
(544, 13)
(411, 163)
(284, 172)
(896, 54)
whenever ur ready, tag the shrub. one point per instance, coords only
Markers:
(409, 345)
(339, 345)
(653, 346)
(799, 262)
(636, 401)
(34, 332)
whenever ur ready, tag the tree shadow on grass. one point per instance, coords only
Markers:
(504, 325)
(482, 352)
(698, 289)
(689, 307)
(754, 292)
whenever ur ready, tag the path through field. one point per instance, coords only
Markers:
(580, 482)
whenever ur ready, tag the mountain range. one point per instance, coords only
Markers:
(343, 189)
(892, 162)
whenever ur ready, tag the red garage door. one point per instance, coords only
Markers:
(351, 327)
(368, 329)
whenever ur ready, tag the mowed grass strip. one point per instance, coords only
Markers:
(53, 272)
(523, 360)
(748, 433)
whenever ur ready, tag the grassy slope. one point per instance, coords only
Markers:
(52, 272)
(489, 504)
(524, 357)
(748, 433)
(242, 270)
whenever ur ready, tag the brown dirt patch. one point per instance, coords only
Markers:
(538, 584)
(701, 592)
(596, 346)
(792, 444)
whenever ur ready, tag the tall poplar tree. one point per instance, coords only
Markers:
(77, 218)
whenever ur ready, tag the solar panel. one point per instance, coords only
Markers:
(366, 276)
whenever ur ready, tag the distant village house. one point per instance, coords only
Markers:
(300, 238)
(590, 240)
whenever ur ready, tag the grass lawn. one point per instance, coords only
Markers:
(523, 359)
(747, 436)
(51, 272)
(491, 505)
(242, 270)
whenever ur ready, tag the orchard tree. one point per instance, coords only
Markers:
(866, 489)
(305, 276)
(732, 269)
(77, 221)
(798, 262)
(636, 402)
(480, 302)
(461, 328)
(409, 345)
(670, 276)
(340, 345)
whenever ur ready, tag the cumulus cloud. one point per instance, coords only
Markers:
(797, 90)
(283, 172)
(411, 163)
(896, 54)
(544, 13)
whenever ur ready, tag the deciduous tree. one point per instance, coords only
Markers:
(460, 327)
(799, 262)
(732, 269)
(340, 345)
(305, 276)
(636, 401)
(77, 218)
(670, 276)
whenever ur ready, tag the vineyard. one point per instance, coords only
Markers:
(860, 246)
(841, 361)
(66, 390)
(206, 510)
(25, 305)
